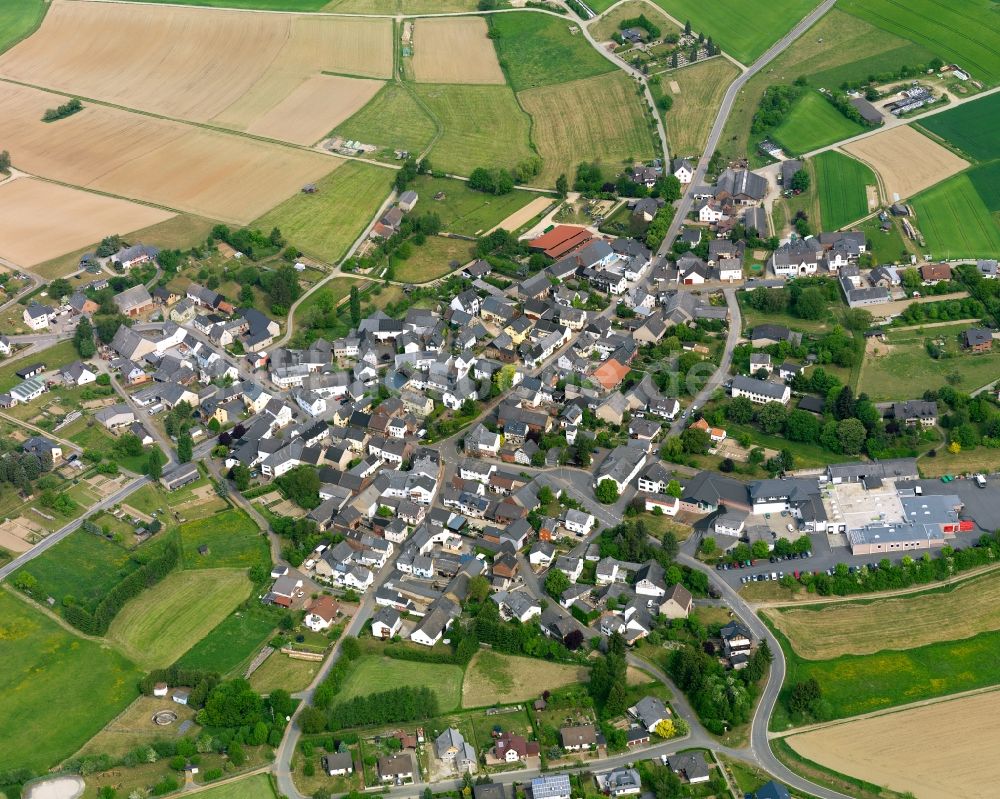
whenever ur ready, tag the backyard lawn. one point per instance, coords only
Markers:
(373, 674)
(493, 678)
(812, 123)
(437, 256)
(281, 671)
(232, 538)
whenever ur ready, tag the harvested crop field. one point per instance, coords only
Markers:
(594, 119)
(454, 50)
(179, 166)
(908, 161)
(827, 631)
(492, 677)
(958, 761)
(40, 220)
(697, 92)
(200, 65)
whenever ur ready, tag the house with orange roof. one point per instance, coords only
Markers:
(610, 374)
(716, 434)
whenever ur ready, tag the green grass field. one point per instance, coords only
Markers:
(392, 120)
(965, 33)
(539, 50)
(596, 119)
(841, 185)
(744, 30)
(232, 538)
(813, 122)
(18, 19)
(58, 689)
(236, 638)
(855, 684)
(54, 358)
(955, 220)
(463, 210)
(261, 5)
(325, 224)
(435, 257)
(176, 613)
(986, 180)
(256, 787)
(482, 126)
(972, 127)
(399, 6)
(888, 247)
(372, 674)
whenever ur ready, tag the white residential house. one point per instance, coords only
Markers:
(683, 170)
(710, 211)
(37, 316)
(578, 522)
(730, 270)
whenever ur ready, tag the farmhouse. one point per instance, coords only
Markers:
(180, 476)
(741, 186)
(37, 316)
(138, 254)
(134, 301)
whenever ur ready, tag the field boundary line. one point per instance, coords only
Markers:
(27, 600)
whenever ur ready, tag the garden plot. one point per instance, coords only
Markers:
(454, 50)
(40, 220)
(20, 534)
(907, 161)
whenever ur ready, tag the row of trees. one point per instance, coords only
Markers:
(405, 703)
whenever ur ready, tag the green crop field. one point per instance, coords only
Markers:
(539, 50)
(175, 614)
(812, 123)
(955, 220)
(392, 120)
(19, 18)
(232, 538)
(437, 256)
(841, 185)
(58, 689)
(595, 119)
(972, 127)
(481, 126)
(256, 787)
(463, 210)
(370, 675)
(744, 30)
(986, 180)
(235, 639)
(399, 6)
(965, 32)
(326, 223)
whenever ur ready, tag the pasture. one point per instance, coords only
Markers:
(744, 30)
(171, 164)
(58, 689)
(373, 674)
(492, 678)
(702, 87)
(28, 237)
(454, 50)
(325, 224)
(955, 220)
(907, 161)
(257, 786)
(393, 120)
(18, 18)
(594, 119)
(887, 246)
(971, 127)
(437, 256)
(282, 671)
(480, 126)
(842, 186)
(892, 749)
(829, 630)
(965, 33)
(812, 123)
(463, 210)
(234, 640)
(539, 50)
(232, 539)
(168, 619)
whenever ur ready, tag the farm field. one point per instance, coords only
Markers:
(956, 222)
(960, 610)
(454, 50)
(198, 65)
(539, 50)
(235, 639)
(262, 5)
(594, 119)
(971, 127)
(17, 19)
(372, 674)
(281, 671)
(399, 6)
(886, 376)
(496, 135)
(841, 184)
(463, 210)
(168, 619)
(891, 749)
(702, 87)
(232, 538)
(393, 120)
(813, 123)
(986, 181)
(492, 678)
(325, 224)
(41, 720)
(907, 161)
(28, 237)
(957, 32)
(603, 26)
(156, 160)
(434, 258)
(744, 31)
